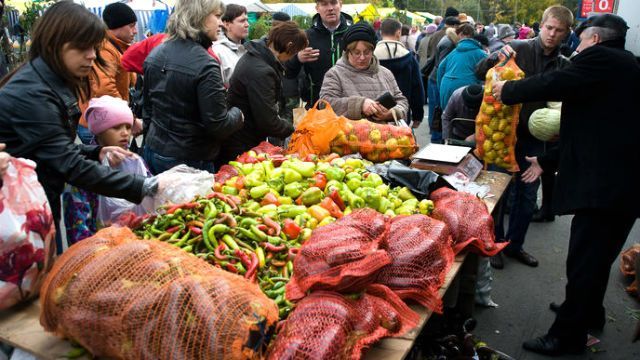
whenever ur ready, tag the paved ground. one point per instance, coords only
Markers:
(524, 293)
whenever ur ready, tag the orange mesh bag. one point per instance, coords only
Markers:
(496, 123)
(375, 142)
(124, 298)
(468, 220)
(328, 325)
(422, 255)
(343, 256)
(315, 131)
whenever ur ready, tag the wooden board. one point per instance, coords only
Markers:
(497, 183)
(20, 327)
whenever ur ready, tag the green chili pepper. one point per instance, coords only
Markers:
(206, 238)
(184, 239)
(312, 196)
(248, 234)
(261, 235)
(246, 222)
(228, 240)
(334, 173)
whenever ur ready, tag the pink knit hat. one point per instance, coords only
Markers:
(106, 112)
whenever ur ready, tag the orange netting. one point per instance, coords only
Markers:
(422, 255)
(496, 123)
(468, 220)
(322, 132)
(120, 297)
(342, 256)
(328, 325)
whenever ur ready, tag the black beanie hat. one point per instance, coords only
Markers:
(360, 31)
(472, 96)
(280, 16)
(118, 15)
(451, 11)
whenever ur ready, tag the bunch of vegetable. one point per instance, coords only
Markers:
(375, 142)
(255, 222)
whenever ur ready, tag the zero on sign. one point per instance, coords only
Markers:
(604, 6)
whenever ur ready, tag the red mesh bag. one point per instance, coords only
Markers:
(628, 260)
(328, 325)
(468, 220)
(342, 256)
(422, 255)
(124, 298)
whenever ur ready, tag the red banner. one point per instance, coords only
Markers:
(596, 6)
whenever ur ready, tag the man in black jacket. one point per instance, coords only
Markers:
(325, 36)
(599, 91)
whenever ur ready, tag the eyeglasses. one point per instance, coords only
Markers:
(357, 54)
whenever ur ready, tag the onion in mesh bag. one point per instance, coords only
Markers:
(124, 298)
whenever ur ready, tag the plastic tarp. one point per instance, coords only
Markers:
(291, 9)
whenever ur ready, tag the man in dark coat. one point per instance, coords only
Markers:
(599, 92)
(325, 36)
(533, 56)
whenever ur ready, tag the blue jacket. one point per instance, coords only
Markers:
(458, 68)
(407, 73)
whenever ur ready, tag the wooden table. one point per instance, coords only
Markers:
(21, 328)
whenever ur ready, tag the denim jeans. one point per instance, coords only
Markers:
(432, 96)
(85, 135)
(158, 163)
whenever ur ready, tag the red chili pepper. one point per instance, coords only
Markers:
(262, 227)
(195, 230)
(273, 248)
(231, 268)
(270, 198)
(272, 224)
(299, 200)
(334, 210)
(278, 263)
(218, 253)
(173, 209)
(291, 229)
(252, 268)
(320, 180)
(244, 258)
(335, 196)
(171, 230)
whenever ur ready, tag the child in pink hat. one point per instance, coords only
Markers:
(110, 120)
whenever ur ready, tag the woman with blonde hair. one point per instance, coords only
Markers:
(185, 108)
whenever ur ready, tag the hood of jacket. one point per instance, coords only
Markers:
(344, 64)
(259, 49)
(390, 49)
(468, 45)
(345, 21)
(451, 34)
(224, 40)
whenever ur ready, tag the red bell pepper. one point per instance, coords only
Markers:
(291, 229)
(333, 208)
(320, 180)
(335, 196)
(270, 198)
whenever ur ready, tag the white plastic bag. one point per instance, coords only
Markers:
(182, 184)
(109, 208)
(27, 233)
